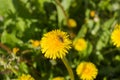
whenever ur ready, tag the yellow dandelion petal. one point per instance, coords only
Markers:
(15, 50)
(72, 23)
(80, 44)
(115, 36)
(55, 44)
(58, 78)
(87, 71)
(26, 77)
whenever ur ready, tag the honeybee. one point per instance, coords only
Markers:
(60, 38)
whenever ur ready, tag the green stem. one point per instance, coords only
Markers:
(13, 70)
(69, 69)
(110, 50)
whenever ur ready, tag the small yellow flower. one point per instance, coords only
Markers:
(15, 50)
(87, 71)
(80, 44)
(35, 43)
(72, 23)
(26, 77)
(58, 78)
(55, 44)
(115, 36)
(92, 13)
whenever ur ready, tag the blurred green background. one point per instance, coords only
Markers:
(23, 20)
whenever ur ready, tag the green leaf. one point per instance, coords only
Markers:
(104, 37)
(104, 4)
(96, 28)
(6, 5)
(10, 38)
(103, 40)
(61, 16)
(24, 67)
(21, 24)
(107, 25)
(88, 50)
(66, 4)
(82, 32)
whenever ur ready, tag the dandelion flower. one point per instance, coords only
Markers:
(26, 77)
(35, 43)
(72, 23)
(15, 50)
(92, 13)
(87, 71)
(58, 78)
(80, 44)
(55, 44)
(115, 36)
